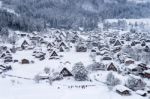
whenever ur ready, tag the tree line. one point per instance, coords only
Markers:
(36, 15)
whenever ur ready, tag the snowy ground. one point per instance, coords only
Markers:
(15, 88)
(30, 90)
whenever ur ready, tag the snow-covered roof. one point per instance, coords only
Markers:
(140, 92)
(121, 88)
(20, 41)
(147, 71)
(132, 67)
(6, 44)
(128, 59)
(134, 76)
(44, 74)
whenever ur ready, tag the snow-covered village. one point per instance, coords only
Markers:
(111, 61)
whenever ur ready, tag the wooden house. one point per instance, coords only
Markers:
(133, 43)
(111, 67)
(117, 43)
(61, 49)
(3, 55)
(23, 44)
(133, 69)
(147, 49)
(54, 55)
(146, 74)
(143, 66)
(65, 72)
(81, 47)
(62, 44)
(50, 45)
(143, 43)
(129, 61)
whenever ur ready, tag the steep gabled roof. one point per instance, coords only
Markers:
(111, 67)
(54, 53)
(61, 49)
(117, 43)
(62, 44)
(65, 72)
(23, 41)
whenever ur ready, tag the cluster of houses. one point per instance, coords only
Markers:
(110, 48)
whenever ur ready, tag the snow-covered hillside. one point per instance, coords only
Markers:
(7, 9)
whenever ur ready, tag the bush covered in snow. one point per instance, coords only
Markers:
(47, 70)
(135, 84)
(112, 80)
(80, 73)
(37, 78)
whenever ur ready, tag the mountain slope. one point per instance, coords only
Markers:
(73, 13)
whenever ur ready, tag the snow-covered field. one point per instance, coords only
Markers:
(30, 90)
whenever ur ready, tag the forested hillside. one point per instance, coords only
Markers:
(39, 14)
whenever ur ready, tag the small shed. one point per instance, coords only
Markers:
(25, 61)
(129, 61)
(122, 90)
(141, 93)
